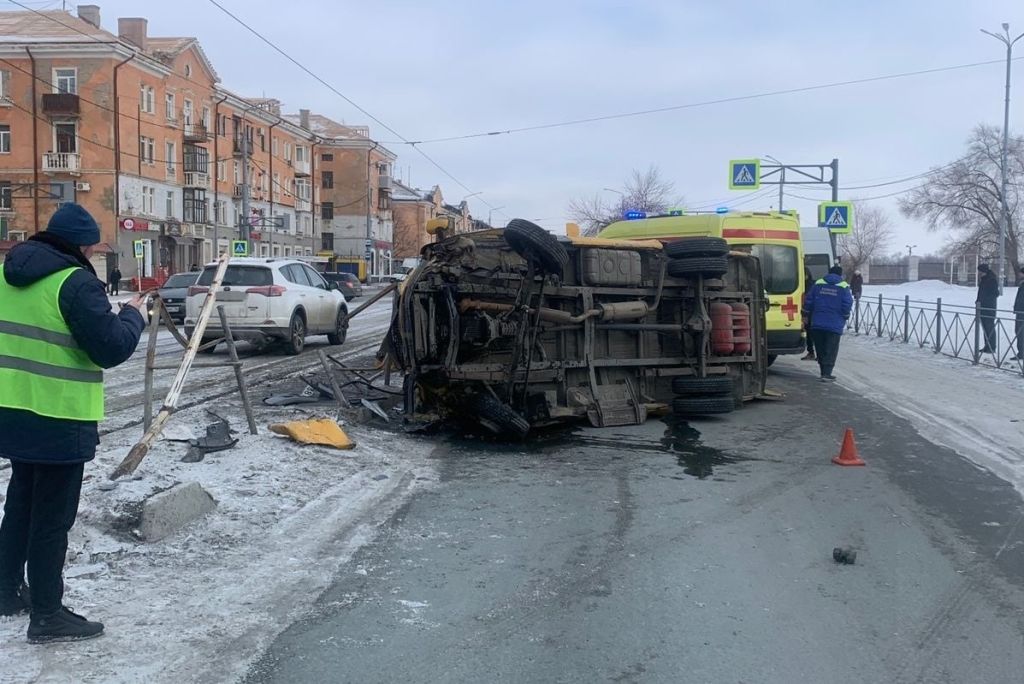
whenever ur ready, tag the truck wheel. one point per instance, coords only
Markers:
(497, 417)
(528, 239)
(340, 328)
(709, 267)
(717, 384)
(697, 247)
(703, 406)
(296, 340)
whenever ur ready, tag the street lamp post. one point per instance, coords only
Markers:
(782, 177)
(910, 250)
(490, 213)
(1004, 222)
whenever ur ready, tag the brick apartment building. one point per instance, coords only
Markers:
(137, 129)
(356, 185)
(412, 209)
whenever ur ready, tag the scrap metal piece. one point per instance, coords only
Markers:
(321, 431)
(375, 407)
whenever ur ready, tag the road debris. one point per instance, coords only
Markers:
(321, 431)
(844, 555)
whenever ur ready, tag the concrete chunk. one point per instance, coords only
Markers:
(170, 510)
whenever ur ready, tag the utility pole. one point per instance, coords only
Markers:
(1004, 221)
(244, 232)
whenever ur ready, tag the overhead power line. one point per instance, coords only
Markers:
(694, 105)
(349, 100)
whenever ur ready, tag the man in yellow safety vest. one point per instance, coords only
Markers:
(57, 333)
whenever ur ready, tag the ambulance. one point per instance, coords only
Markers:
(772, 237)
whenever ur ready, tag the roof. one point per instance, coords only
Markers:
(170, 46)
(53, 26)
(403, 193)
(327, 127)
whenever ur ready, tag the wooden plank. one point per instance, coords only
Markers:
(229, 339)
(139, 451)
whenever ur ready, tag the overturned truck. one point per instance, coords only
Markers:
(514, 328)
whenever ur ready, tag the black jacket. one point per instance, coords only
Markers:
(1018, 303)
(988, 291)
(107, 338)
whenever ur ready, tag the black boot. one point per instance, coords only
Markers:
(16, 604)
(61, 626)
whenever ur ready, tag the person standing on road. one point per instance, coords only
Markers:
(57, 333)
(1018, 314)
(805, 318)
(987, 301)
(115, 281)
(857, 285)
(828, 306)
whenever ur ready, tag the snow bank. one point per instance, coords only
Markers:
(931, 290)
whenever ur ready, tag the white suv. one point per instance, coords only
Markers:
(269, 300)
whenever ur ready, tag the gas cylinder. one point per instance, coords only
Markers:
(721, 329)
(740, 328)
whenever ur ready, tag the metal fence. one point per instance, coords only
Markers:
(953, 330)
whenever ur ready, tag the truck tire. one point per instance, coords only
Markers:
(709, 267)
(703, 406)
(296, 340)
(697, 247)
(528, 239)
(340, 328)
(496, 416)
(716, 384)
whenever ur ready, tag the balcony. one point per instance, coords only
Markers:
(384, 183)
(60, 104)
(197, 179)
(195, 133)
(171, 173)
(62, 162)
(241, 146)
(303, 204)
(301, 168)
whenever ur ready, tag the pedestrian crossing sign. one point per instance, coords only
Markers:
(836, 216)
(239, 248)
(744, 174)
(140, 248)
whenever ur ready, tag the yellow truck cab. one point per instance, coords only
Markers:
(772, 237)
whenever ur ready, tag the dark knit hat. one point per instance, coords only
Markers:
(836, 270)
(73, 223)
(984, 268)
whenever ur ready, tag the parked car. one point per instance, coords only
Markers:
(271, 300)
(174, 291)
(348, 283)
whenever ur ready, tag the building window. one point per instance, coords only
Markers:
(186, 112)
(65, 81)
(5, 138)
(194, 205)
(327, 211)
(170, 111)
(277, 186)
(197, 159)
(6, 200)
(327, 242)
(206, 118)
(238, 173)
(327, 156)
(288, 151)
(147, 99)
(383, 201)
(170, 157)
(222, 170)
(300, 153)
(5, 87)
(148, 200)
(263, 140)
(147, 149)
(273, 145)
(222, 124)
(188, 70)
(328, 179)
(65, 137)
(221, 212)
(169, 206)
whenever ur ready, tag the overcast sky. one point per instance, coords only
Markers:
(453, 67)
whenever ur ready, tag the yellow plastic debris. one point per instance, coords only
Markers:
(322, 431)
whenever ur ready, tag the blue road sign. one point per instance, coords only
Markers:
(239, 248)
(744, 174)
(836, 216)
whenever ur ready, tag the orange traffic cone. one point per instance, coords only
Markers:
(848, 454)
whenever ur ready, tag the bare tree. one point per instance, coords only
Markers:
(871, 235)
(645, 191)
(965, 197)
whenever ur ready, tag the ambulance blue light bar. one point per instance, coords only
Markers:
(634, 215)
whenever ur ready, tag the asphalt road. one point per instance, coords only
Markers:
(671, 552)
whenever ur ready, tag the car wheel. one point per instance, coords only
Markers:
(528, 239)
(340, 328)
(697, 247)
(296, 340)
(496, 416)
(709, 267)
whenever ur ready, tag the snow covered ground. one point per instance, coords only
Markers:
(199, 605)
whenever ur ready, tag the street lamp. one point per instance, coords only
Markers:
(910, 250)
(490, 212)
(1005, 219)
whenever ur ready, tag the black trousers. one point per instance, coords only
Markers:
(826, 345)
(1020, 335)
(988, 326)
(810, 339)
(42, 503)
